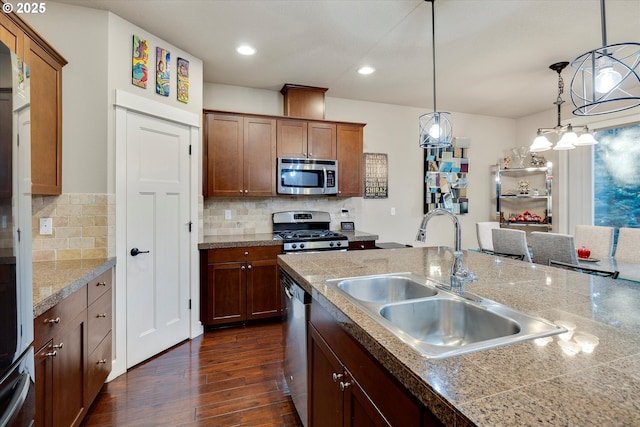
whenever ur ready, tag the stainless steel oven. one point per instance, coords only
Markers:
(307, 176)
(307, 231)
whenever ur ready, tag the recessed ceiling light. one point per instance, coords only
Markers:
(366, 70)
(245, 50)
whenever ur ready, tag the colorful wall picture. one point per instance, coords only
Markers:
(163, 75)
(183, 80)
(445, 179)
(140, 64)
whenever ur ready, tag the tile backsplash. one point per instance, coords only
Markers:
(83, 226)
(253, 215)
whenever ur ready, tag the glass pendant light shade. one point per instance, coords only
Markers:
(567, 141)
(540, 143)
(435, 130)
(586, 139)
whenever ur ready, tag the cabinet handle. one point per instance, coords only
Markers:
(344, 385)
(101, 362)
(243, 268)
(249, 267)
(246, 253)
(52, 321)
(51, 354)
(101, 315)
(336, 377)
(361, 246)
(101, 284)
(58, 346)
(241, 191)
(246, 191)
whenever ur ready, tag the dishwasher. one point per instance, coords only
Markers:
(298, 304)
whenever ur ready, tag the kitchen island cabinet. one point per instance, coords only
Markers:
(239, 284)
(519, 384)
(45, 65)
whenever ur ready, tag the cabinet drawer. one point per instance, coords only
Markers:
(53, 321)
(99, 316)
(99, 286)
(98, 367)
(252, 253)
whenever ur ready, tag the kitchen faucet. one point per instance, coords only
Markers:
(459, 274)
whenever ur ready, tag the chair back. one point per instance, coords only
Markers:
(508, 242)
(485, 238)
(553, 246)
(628, 248)
(598, 239)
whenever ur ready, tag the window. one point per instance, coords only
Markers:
(617, 177)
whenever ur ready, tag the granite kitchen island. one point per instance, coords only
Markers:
(519, 384)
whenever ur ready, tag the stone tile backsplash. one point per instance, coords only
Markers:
(83, 226)
(251, 215)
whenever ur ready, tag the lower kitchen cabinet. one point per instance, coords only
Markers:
(348, 387)
(239, 284)
(363, 244)
(73, 356)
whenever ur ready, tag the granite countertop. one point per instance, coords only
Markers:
(519, 384)
(265, 239)
(53, 281)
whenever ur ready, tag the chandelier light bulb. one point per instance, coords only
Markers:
(434, 132)
(607, 79)
(586, 139)
(540, 143)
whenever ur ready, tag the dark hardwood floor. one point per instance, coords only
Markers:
(228, 377)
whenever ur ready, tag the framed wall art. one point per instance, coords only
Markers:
(163, 75)
(183, 80)
(140, 62)
(445, 178)
(376, 176)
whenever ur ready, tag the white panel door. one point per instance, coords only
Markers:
(158, 168)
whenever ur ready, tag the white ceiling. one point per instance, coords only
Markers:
(492, 56)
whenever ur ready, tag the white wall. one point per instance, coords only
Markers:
(393, 130)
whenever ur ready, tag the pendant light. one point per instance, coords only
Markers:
(435, 128)
(607, 79)
(569, 139)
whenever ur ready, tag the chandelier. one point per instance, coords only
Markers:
(569, 138)
(607, 79)
(435, 128)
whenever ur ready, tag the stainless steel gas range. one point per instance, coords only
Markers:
(307, 231)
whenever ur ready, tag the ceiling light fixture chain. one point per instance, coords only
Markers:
(607, 79)
(568, 137)
(435, 128)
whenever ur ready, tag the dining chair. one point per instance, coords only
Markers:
(485, 238)
(598, 239)
(553, 246)
(510, 243)
(628, 247)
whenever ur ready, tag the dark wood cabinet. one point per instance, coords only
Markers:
(350, 152)
(239, 284)
(60, 340)
(306, 139)
(347, 386)
(361, 245)
(73, 356)
(45, 65)
(239, 155)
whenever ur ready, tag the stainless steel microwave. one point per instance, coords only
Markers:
(300, 176)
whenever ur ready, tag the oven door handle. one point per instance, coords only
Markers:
(324, 183)
(18, 398)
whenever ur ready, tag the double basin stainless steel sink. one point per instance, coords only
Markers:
(438, 323)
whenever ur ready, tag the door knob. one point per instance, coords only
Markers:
(136, 251)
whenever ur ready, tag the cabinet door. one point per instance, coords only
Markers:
(321, 140)
(223, 151)
(259, 157)
(227, 293)
(325, 397)
(69, 373)
(44, 385)
(46, 120)
(11, 35)
(349, 150)
(359, 410)
(292, 138)
(263, 290)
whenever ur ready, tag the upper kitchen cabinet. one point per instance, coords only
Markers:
(239, 155)
(306, 139)
(45, 65)
(349, 155)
